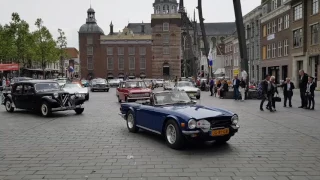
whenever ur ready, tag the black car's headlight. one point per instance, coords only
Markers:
(55, 95)
(192, 124)
(235, 119)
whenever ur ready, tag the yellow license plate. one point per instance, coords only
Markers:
(220, 132)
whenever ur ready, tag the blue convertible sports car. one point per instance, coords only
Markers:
(175, 116)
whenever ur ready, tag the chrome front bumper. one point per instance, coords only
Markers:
(67, 108)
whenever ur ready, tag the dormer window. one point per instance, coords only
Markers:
(165, 26)
(166, 9)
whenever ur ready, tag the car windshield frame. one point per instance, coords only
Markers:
(181, 98)
(36, 87)
(185, 84)
(143, 84)
(72, 84)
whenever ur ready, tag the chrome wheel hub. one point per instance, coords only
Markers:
(8, 105)
(171, 134)
(44, 109)
(130, 121)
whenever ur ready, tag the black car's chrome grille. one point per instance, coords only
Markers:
(63, 99)
(221, 121)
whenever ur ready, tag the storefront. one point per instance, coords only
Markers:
(9, 70)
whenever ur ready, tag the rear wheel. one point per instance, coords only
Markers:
(173, 135)
(131, 122)
(45, 109)
(79, 110)
(8, 105)
(198, 97)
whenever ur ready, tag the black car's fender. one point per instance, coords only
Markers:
(167, 118)
(49, 100)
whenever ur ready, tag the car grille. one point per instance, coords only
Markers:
(191, 92)
(63, 99)
(140, 95)
(222, 121)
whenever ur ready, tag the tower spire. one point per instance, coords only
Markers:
(181, 6)
(90, 4)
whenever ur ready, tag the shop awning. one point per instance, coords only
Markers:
(9, 67)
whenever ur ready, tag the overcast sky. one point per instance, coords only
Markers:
(69, 15)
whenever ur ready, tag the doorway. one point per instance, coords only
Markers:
(284, 72)
(300, 67)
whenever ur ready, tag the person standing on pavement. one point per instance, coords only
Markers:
(303, 87)
(288, 87)
(3, 82)
(310, 93)
(272, 92)
(242, 85)
(236, 83)
(211, 86)
(266, 87)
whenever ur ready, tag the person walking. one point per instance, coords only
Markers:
(223, 89)
(303, 87)
(235, 86)
(310, 93)
(242, 85)
(3, 82)
(266, 87)
(272, 92)
(211, 86)
(288, 87)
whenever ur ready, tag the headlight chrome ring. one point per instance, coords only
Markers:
(55, 95)
(235, 119)
(192, 124)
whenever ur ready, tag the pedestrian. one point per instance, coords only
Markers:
(303, 87)
(272, 92)
(288, 87)
(211, 86)
(310, 93)
(265, 87)
(242, 85)
(224, 88)
(3, 82)
(235, 86)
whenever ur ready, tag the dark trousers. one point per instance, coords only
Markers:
(303, 97)
(287, 96)
(310, 101)
(269, 98)
(211, 90)
(236, 93)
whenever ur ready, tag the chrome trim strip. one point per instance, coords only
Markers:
(142, 127)
(190, 132)
(138, 98)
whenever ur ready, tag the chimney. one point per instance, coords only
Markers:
(142, 28)
(111, 28)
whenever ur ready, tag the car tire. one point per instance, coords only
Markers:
(87, 97)
(92, 90)
(119, 100)
(45, 109)
(107, 90)
(79, 110)
(173, 135)
(198, 97)
(126, 99)
(222, 140)
(131, 122)
(8, 105)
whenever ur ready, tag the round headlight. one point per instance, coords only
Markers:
(235, 119)
(192, 124)
(55, 95)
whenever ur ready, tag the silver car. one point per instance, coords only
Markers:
(75, 88)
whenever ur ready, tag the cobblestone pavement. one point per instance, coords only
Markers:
(96, 145)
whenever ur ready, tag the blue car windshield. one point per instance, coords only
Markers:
(171, 97)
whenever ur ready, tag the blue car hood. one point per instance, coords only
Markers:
(197, 112)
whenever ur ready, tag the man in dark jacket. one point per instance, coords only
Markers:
(303, 87)
(265, 89)
(311, 86)
(236, 83)
(288, 87)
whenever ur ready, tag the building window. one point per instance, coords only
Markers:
(89, 40)
(264, 52)
(268, 51)
(90, 50)
(285, 47)
(132, 63)
(274, 4)
(286, 21)
(90, 63)
(297, 38)
(132, 51)
(109, 50)
(280, 24)
(279, 48)
(166, 9)
(166, 50)
(166, 38)
(315, 6)
(274, 50)
(264, 31)
(121, 63)
(314, 34)
(165, 26)
(269, 28)
(142, 62)
(274, 25)
(142, 51)
(110, 63)
(120, 50)
(297, 12)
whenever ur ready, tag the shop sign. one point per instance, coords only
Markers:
(9, 67)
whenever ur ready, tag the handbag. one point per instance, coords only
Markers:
(277, 98)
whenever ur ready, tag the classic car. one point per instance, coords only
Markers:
(99, 85)
(175, 116)
(18, 79)
(76, 88)
(149, 83)
(85, 83)
(168, 85)
(44, 96)
(62, 81)
(133, 90)
(114, 82)
(189, 88)
(159, 82)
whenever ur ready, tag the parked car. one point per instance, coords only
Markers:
(99, 85)
(159, 82)
(168, 85)
(114, 82)
(85, 83)
(189, 88)
(44, 96)
(73, 88)
(175, 116)
(133, 90)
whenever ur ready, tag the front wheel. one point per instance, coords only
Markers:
(79, 110)
(198, 97)
(107, 90)
(173, 135)
(131, 122)
(45, 109)
(8, 105)
(87, 97)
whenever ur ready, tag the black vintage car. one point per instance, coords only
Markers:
(99, 84)
(44, 96)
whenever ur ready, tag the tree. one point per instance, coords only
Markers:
(62, 43)
(45, 46)
(6, 44)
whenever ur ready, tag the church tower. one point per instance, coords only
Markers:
(89, 46)
(166, 38)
